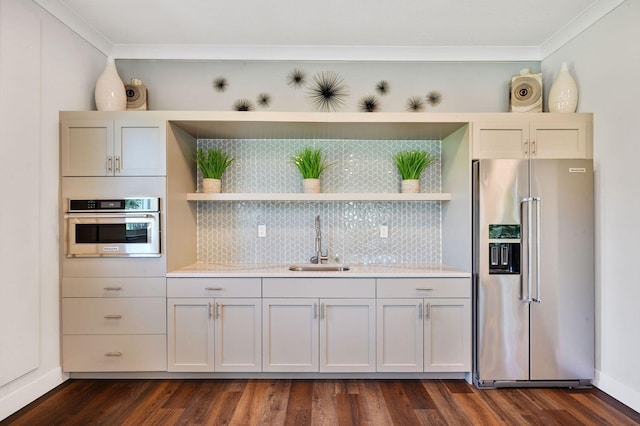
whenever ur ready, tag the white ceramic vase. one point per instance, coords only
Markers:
(211, 185)
(110, 94)
(563, 96)
(311, 186)
(410, 186)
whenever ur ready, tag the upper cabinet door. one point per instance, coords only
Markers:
(501, 139)
(544, 136)
(86, 148)
(105, 148)
(560, 139)
(139, 149)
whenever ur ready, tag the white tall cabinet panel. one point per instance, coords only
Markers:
(20, 127)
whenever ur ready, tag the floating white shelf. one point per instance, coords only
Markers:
(345, 196)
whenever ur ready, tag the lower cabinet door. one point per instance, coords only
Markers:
(347, 335)
(238, 344)
(290, 335)
(400, 335)
(447, 335)
(190, 334)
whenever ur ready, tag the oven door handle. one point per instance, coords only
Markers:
(111, 216)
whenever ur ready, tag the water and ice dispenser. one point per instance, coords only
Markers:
(504, 249)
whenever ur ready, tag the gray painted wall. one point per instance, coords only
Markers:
(605, 61)
(188, 85)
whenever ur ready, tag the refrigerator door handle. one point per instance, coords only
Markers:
(526, 274)
(537, 202)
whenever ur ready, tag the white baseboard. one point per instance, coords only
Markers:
(31, 391)
(617, 390)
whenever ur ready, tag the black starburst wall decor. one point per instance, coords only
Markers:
(220, 84)
(369, 103)
(243, 105)
(434, 98)
(264, 100)
(415, 104)
(382, 87)
(327, 91)
(296, 78)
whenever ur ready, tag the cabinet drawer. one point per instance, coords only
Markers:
(114, 287)
(319, 287)
(214, 287)
(423, 287)
(114, 316)
(114, 353)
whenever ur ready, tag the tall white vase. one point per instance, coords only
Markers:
(563, 96)
(110, 94)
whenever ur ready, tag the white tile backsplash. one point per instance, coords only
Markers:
(228, 231)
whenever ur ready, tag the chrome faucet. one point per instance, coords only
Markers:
(319, 257)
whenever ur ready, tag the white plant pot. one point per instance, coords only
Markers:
(110, 94)
(311, 186)
(211, 185)
(410, 186)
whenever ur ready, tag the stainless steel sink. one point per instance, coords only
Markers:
(314, 267)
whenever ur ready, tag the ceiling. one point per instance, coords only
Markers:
(422, 30)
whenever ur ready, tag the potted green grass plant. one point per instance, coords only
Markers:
(212, 164)
(311, 164)
(411, 164)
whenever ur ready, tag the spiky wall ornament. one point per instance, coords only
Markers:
(382, 87)
(434, 98)
(415, 104)
(220, 84)
(243, 105)
(369, 103)
(296, 78)
(264, 100)
(327, 91)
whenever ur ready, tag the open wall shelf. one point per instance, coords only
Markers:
(201, 196)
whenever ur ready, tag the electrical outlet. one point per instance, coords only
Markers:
(384, 231)
(262, 231)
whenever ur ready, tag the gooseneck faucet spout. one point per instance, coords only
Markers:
(319, 257)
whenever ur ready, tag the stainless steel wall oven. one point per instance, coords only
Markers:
(125, 227)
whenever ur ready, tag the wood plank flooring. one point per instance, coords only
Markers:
(316, 402)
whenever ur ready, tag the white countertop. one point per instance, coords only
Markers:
(388, 270)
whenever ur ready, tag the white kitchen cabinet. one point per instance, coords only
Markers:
(546, 136)
(113, 324)
(208, 333)
(112, 148)
(424, 334)
(327, 325)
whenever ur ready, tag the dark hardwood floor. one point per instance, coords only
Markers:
(316, 402)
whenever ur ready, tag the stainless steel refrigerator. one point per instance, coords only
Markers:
(533, 273)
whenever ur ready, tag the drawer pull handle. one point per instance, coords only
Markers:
(113, 354)
(113, 316)
(424, 289)
(213, 288)
(113, 288)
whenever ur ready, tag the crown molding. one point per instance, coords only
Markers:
(590, 16)
(78, 25)
(327, 53)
